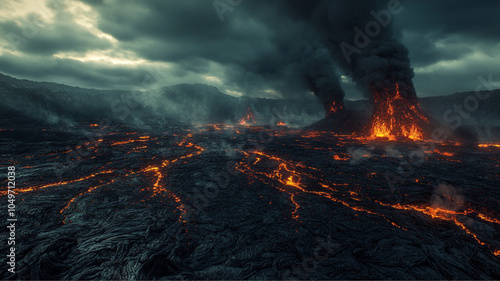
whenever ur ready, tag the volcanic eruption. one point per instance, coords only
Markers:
(222, 181)
(395, 114)
(360, 37)
(249, 117)
(384, 73)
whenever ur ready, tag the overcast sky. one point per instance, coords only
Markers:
(243, 47)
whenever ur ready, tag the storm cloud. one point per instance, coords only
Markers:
(275, 49)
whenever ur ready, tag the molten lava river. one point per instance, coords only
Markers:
(248, 202)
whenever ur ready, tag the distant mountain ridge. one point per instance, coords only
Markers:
(57, 104)
(474, 109)
(49, 103)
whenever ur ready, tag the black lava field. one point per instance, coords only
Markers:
(249, 202)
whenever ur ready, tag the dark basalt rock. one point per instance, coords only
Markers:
(235, 225)
(345, 122)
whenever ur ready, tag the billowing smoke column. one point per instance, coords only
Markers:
(360, 36)
(323, 80)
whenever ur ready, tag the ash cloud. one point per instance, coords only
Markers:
(290, 47)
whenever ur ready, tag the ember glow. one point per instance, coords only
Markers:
(334, 107)
(341, 157)
(281, 124)
(489, 145)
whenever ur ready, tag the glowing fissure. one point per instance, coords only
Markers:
(447, 215)
(289, 174)
(36, 188)
(291, 178)
(157, 189)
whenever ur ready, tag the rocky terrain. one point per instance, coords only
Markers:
(247, 202)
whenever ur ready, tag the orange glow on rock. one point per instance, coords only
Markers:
(488, 145)
(335, 107)
(340, 157)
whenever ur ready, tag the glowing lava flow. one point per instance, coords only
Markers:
(140, 139)
(489, 145)
(290, 174)
(158, 188)
(90, 190)
(395, 116)
(448, 215)
(36, 188)
(297, 179)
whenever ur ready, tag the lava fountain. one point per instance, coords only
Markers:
(248, 118)
(396, 114)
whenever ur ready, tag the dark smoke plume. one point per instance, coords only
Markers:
(297, 60)
(361, 37)
(323, 80)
